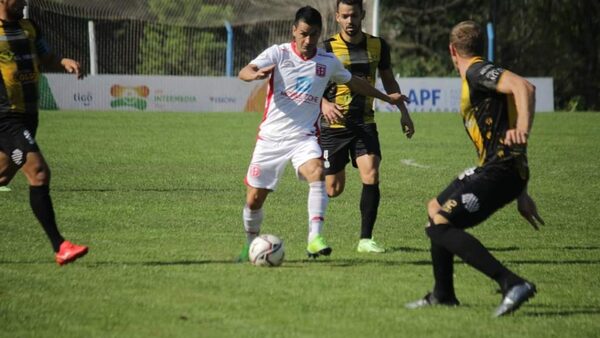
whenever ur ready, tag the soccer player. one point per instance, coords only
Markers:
(348, 131)
(24, 51)
(497, 107)
(298, 75)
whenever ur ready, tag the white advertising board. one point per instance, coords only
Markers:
(226, 94)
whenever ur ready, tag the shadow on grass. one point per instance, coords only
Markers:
(553, 312)
(298, 263)
(102, 190)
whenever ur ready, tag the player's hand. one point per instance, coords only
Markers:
(528, 210)
(397, 98)
(408, 128)
(516, 137)
(264, 73)
(73, 67)
(331, 112)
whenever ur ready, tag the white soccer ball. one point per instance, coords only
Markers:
(266, 250)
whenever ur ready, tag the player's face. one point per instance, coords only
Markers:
(14, 9)
(349, 18)
(306, 38)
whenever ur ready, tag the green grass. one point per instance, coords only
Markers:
(158, 199)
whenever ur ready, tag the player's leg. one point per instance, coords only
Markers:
(253, 212)
(7, 169)
(366, 156)
(38, 175)
(336, 143)
(266, 167)
(309, 166)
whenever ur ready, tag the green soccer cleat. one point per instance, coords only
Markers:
(369, 245)
(318, 247)
(5, 188)
(244, 255)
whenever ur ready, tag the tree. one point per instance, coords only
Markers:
(174, 45)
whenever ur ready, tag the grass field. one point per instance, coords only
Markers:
(158, 199)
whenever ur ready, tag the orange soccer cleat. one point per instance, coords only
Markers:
(69, 252)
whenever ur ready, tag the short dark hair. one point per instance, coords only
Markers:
(310, 16)
(358, 3)
(468, 39)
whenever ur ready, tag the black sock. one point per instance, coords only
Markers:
(470, 250)
(41, 204)
(369, 203)
(443, 271)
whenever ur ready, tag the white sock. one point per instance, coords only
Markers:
(317, 204)
(252, 222)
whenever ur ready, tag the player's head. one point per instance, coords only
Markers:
(467, 38)
(307, 30)
(466, 41)
(12, 9)
(349, 15)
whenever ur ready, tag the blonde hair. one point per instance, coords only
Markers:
(467, 37)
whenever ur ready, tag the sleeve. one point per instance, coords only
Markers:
(484, 76)
(41, 46)
(267, 58)
(385, 61)
(340, 74)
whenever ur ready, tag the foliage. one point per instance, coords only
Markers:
(542, 38)
(171, 47)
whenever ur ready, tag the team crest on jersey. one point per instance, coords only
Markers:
(321, 70)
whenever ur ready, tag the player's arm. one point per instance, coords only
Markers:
(524, 94)
(391, 86)
(251, 72)
(363, 87)
(52, 63)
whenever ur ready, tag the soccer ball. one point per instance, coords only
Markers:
(266, 250)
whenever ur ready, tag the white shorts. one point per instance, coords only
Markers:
(271, 157)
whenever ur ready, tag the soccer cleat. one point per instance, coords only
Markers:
(245, 254)
(430, 300)
(69, 252)
(515, 297)
(369, 245)
(5, 188)
(318, 247)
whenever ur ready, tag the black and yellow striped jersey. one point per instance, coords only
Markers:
(361, 60)
(487, 114)
(21, 45)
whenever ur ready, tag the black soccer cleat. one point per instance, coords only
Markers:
(515, 297)
(430, 300)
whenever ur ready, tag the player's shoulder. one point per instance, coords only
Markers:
(321, 52)
(480, 67)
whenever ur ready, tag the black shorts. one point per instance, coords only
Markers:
(340, 145)
(479, 192)
(17, 136)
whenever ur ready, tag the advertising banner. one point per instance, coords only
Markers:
(229, 94)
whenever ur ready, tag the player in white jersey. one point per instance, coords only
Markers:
(299, 73)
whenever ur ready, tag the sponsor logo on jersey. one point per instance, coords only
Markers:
(301, 90)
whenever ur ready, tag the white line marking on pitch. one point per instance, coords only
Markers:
(411, 162)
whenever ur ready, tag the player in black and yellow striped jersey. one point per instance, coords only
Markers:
(497, 107)
(23, 52)
(348, 129)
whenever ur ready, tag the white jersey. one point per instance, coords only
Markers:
(296, 87)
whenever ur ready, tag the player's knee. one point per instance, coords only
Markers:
(433, 207)
(39, 175)
(335, 190)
